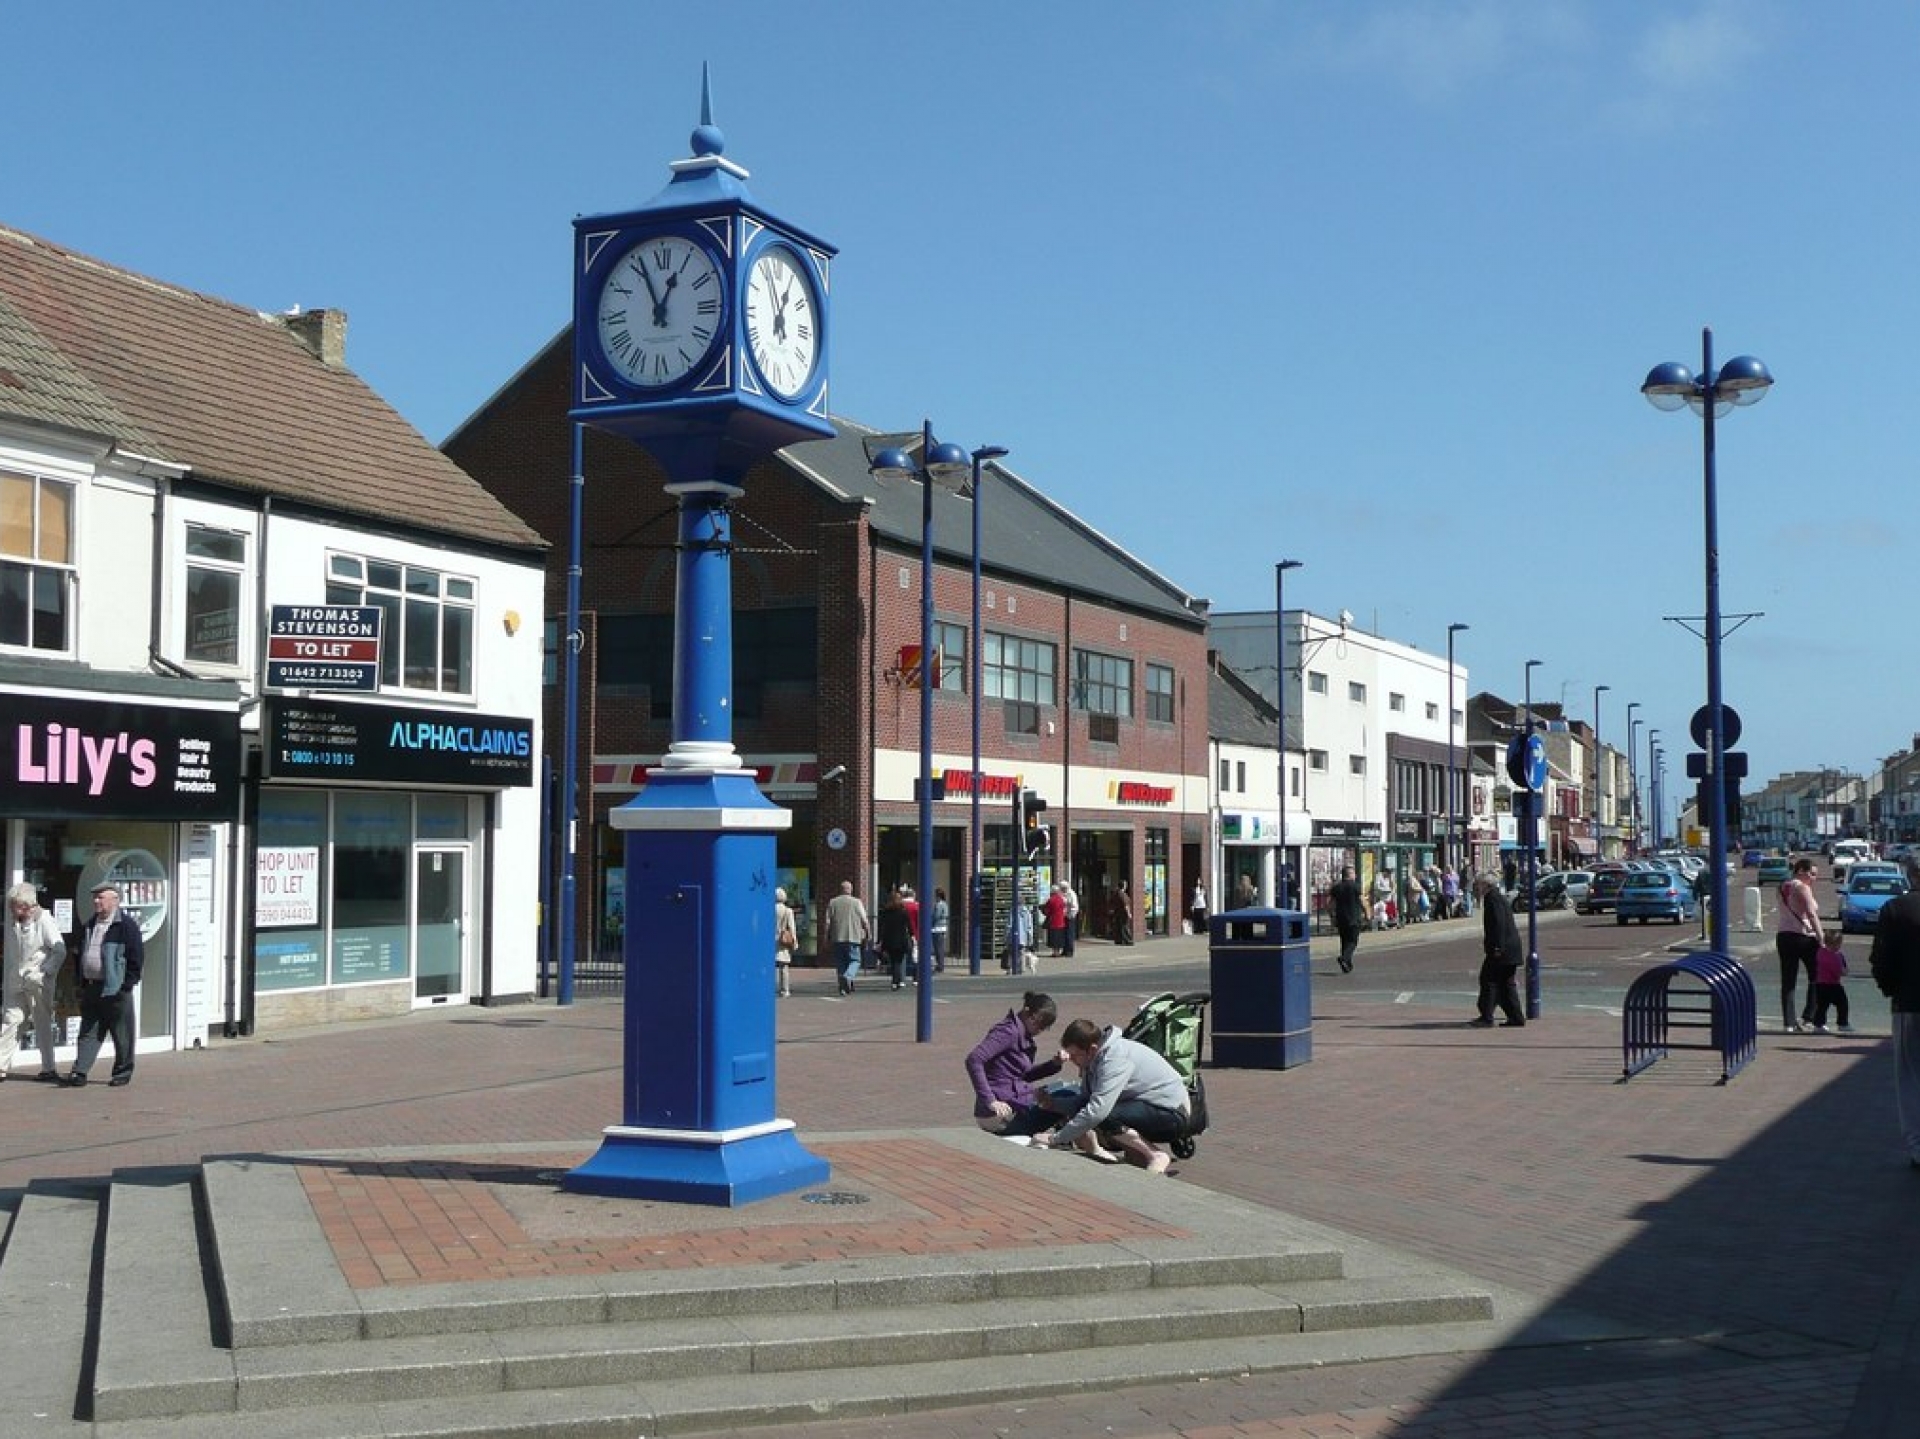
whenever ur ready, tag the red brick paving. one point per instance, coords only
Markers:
(439, 1221)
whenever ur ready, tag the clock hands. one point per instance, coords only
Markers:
(660, 305)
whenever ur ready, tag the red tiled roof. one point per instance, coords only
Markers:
(231, 394)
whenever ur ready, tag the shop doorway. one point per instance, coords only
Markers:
(439, 923)
(1102, 860)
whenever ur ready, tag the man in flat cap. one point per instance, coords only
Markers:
(111, 956)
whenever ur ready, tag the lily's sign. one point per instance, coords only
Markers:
(71, 758)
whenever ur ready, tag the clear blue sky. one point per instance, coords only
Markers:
(1372, 285)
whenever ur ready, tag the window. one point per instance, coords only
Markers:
(951, 642)
(216, 567)
(1226, 775)
(426, 624)
(1433, 712)
(1396, 703)
(1409, 795)
(1102, 684)
(1316, 682)
(1356, 764)
(550, 653)
(1240, 774)
(1160, 693)
(770, 647)
(37, 575)
(1317, 760)
(1356, 692)
(1020, 674)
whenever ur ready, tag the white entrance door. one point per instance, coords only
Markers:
(439, 924)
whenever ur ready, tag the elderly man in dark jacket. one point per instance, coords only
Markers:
(1895, 964)
(1504, 955)
(111, 957)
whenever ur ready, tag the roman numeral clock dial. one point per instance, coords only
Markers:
(783, 321)
(660, 311)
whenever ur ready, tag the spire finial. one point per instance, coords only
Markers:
(707, 139)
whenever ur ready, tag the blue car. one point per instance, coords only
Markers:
(1865, 895)
(1655, 894)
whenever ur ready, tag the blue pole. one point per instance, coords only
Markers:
(570, 743)
(923, 1020)
(973, 694)
(1716, 728)
(1531, 838)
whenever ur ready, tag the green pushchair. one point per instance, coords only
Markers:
(1174, 1026)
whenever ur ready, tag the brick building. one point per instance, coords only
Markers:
(1094, 666)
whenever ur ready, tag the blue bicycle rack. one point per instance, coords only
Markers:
(1724, 1005)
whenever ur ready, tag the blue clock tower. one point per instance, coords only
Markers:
(700, 333)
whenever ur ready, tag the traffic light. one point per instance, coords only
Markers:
(1033, 837)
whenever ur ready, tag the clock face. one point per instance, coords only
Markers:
(659, 311)
(783, 321)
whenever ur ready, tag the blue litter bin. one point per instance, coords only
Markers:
(1262, 989)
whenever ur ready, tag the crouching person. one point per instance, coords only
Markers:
(1131, 1099)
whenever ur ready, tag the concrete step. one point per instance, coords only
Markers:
(753, 1346)
(46, 1281)
(221, 1306)
(695, 1404)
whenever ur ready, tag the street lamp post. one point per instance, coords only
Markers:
(1598, 690)
(1741, 381)
(1653, 782)
(1280, 703)
(1531, 838)
(974, 907)
(1633, 778)
(943, 464)
(1452, 859)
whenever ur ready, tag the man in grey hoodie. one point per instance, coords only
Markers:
(1133, 1097)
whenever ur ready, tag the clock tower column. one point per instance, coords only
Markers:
(700, 333)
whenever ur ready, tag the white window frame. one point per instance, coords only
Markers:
(67, 571)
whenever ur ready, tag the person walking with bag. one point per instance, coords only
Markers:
(786, 939)
(1796, 940)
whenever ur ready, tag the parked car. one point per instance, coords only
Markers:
(1604, 889)
(1656, 894)
(1774, 869)
(1549, 892)
(1752, 857)
(1578, 881)
(1869, 887)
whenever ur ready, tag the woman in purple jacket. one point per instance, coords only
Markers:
(1002, 1069)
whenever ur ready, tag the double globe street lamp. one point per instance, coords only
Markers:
(1711, 394)
(946, 465)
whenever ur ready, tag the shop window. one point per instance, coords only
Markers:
(290, 887)
(372, 839)
(426, 627)
(216, 565)
(37, 575)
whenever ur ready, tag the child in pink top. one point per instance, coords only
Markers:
(1829, 987)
